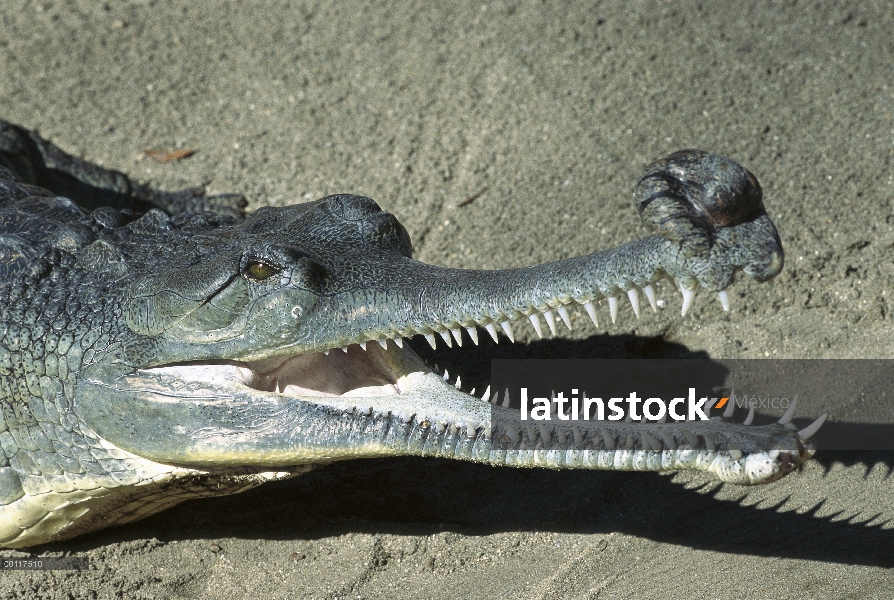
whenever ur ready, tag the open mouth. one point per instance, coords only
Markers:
(382, 383)
(351, 372)
(382, 400)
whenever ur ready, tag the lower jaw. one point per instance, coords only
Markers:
(423, 415)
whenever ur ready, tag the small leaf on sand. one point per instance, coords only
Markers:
(164, 156)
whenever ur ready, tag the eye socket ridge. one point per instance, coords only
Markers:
(259, 269)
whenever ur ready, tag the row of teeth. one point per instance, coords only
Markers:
(609, 442)
(448, 333)
(786, 418)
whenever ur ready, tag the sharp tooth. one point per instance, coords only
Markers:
(437, 369)
(458, 385)
(730, 406)
(430, 337)
(486, 395)
(506, 398)
(649, 291)
(326, 351)
(362, 345)
(613, 307)
(691, 438)
(472, 393)
(495, 398)
(399, 341)
(750, 417)
(473, 333)
(566, 318)
(383, 343)
(535, 321)
(513, 434)
(790, 412)
(663, 419)
(507, 327)
(532, 435)
(724, 300)
(544, 433)
(446, 375)
(688, 295)
(591, 310)
(668, 440)
(458, 336)
(709, 444)
(607, 439)
(633, 295)
(560, 435)
(649, 443)
(550, 320)
(578, 438)
(344, 349)
(492, 330)
(734, 453)
(445, 335)
(813, 427)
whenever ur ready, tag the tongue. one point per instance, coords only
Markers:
(355, 372)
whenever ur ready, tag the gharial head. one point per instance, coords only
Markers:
(277, 341)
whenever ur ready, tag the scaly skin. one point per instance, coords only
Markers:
(146, 359)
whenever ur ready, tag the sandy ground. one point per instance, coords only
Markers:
(552, 109)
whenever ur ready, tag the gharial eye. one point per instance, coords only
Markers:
(259, 271)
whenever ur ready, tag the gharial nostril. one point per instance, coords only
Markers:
(731, 198)
(352, 208)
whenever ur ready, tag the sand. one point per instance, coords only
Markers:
(548, 112)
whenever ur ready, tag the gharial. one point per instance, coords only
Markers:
(156, 346)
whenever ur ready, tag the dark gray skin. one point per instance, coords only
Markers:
(146, 358)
